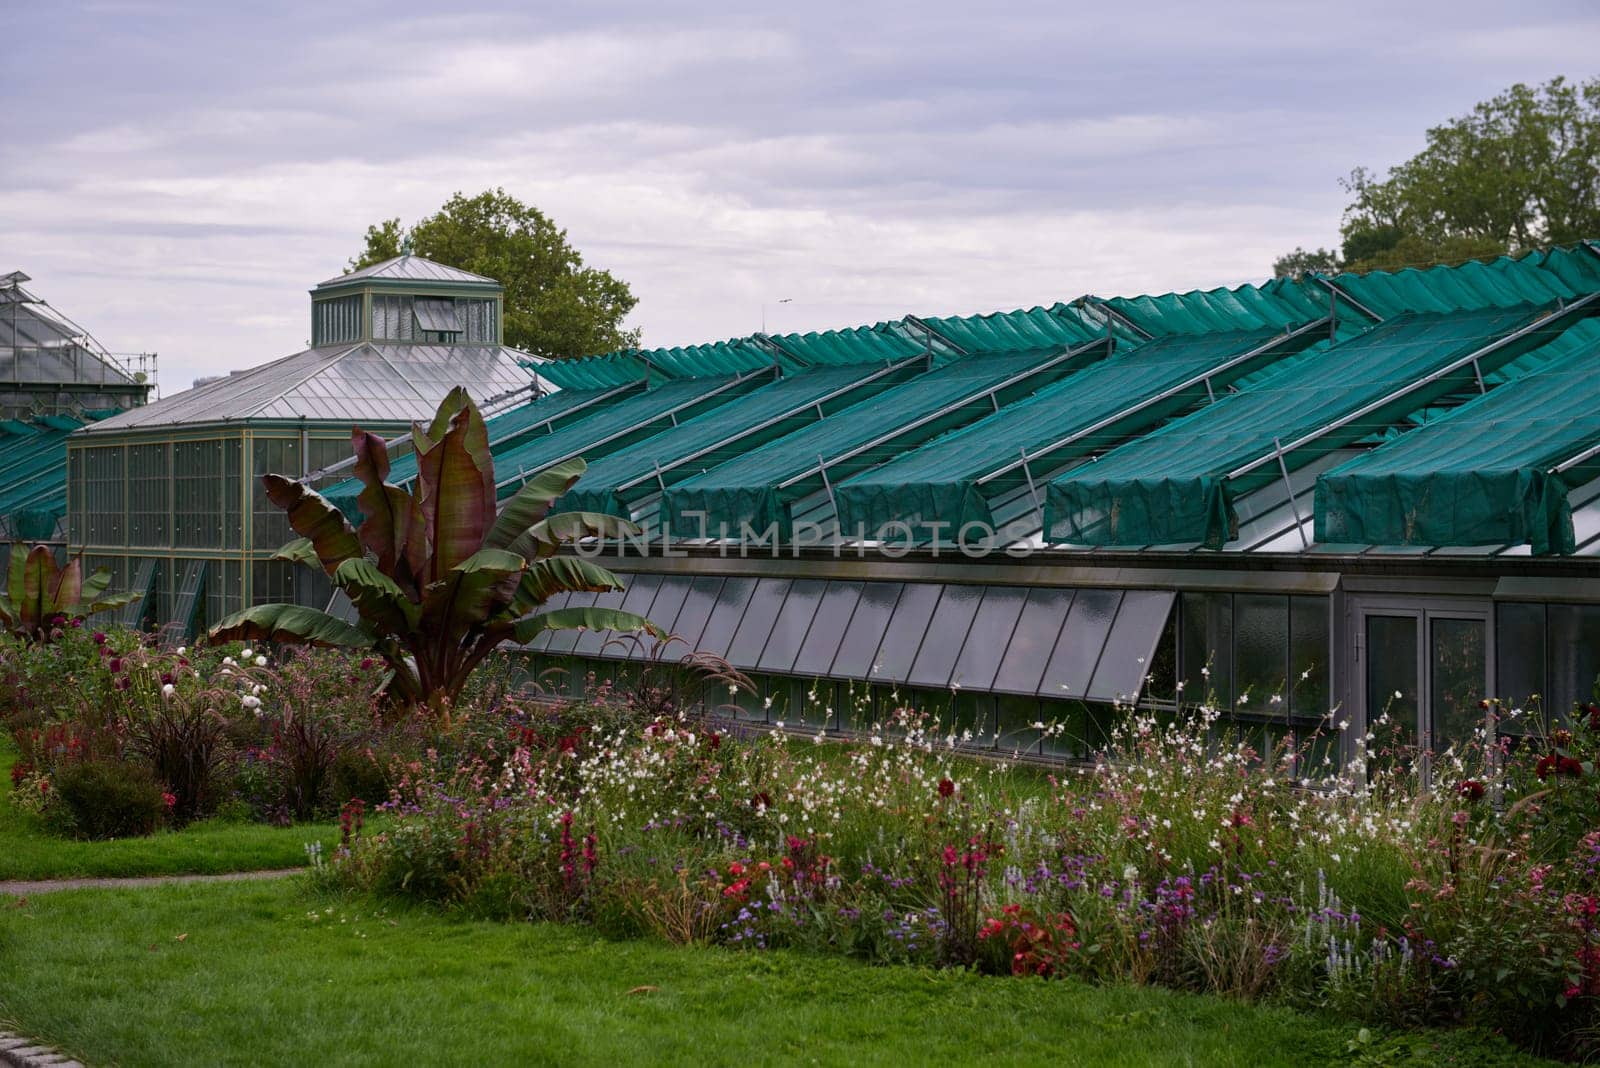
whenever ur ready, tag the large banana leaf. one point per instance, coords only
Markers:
(546, 536)
(95, 585)
(106, 604)
(546, 578)
(390, 516)
(457, 501)
(478, 588)
(313, 517)
(37, 572)
(299, 551)
(582, 619)
(377, 597)
(289, 623)
(532, 502)
(66, 589)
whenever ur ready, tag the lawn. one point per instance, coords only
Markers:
(262, 972)
(27, 851)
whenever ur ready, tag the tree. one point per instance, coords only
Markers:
(438, 579)
(554, 305)
(1301, 262)
(1521, 171)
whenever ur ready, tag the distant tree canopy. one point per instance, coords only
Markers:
(1521, 171)
(554, 305)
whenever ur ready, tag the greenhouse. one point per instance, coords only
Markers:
(1375, 493)
(168, 495)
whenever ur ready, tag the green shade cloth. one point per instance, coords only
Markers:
(1481, 475)
(862, 344)
(591, 372)
(1173, 485)
(938, 483)
(614, 481)
(1025, 330)
(1537, 278)
(33, 475)
(1281, 303)
(542, 415)
(617, 426)
(747, 488)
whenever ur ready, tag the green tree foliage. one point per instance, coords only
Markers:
(438, 575)
(1521, 171)
(555, 306)
(1302, 262)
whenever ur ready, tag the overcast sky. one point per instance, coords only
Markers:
(176, 176)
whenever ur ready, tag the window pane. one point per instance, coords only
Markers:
(989, 637)
(1519, 661)
(1392, 679)
(906, 631)
(1308, 657)
(691, 621)
(1032, 640)
(946, 634)
(1457, 660)
(793, 621)
(827, 629)
(1119, 675)
(662, 612)
(1261, 653)
(756, 626)
(1207, 641)
(1574, 657)
(1077, 651)
(725, 615)
(865, 632)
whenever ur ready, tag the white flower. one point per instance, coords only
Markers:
(247, 653)
(250, 702)
(261, 661)
(227, 661)
(182, 649)
(1130, 873)
(1398, 695)
(168, 690)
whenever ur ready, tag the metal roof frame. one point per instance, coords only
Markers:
(988, 391)
(816, 405)
(672, 413)
(1259, 352)
(1580, 308)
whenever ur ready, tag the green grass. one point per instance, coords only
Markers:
(28, 851)
(239, 973)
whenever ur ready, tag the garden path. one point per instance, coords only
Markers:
(21, 888)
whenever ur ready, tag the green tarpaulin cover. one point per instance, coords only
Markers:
(1173, 487)
(1483, 474)
(938, 483)
(33, 475)
(1280, 303)
(613, 482)
(1024, 330)
(748, 489)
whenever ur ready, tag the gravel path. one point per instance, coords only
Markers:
(47, 886)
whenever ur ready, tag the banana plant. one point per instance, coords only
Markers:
(439, 577)
(38, 592)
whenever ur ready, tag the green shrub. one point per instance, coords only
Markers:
(110, 799)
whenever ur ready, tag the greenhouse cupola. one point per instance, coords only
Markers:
(407, 298)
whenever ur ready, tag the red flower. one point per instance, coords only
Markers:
(946, 787)
(760, 799)
(168, 799)
(19, 771)
(713, 740)
(1561, 737)
(99, 638)
(1546, 765)
(1569, 766)
(736, 869)
(1471, 789)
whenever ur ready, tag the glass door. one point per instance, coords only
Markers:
(1424, 669)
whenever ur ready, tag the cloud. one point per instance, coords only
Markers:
(197, 167)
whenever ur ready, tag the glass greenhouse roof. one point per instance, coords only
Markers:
(410, 269)
(363, 383)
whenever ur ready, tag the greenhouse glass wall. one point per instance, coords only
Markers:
(169, 496)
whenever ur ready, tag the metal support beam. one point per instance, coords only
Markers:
(1265, 349)
(827, 484)
(816, 405)
(1288, 487)
(1070, 354)
(1033, 488)
(1338, 293)
(1092, 301)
